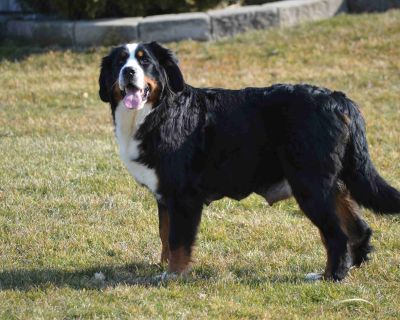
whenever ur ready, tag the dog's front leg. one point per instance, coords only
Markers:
(163, 227)
(184, 219)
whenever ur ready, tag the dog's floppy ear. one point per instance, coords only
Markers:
(169, 62)
(105, 79)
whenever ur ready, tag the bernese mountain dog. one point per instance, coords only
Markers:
(190, 146)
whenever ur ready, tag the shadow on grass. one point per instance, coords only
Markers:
(135, 274)
(98, 277)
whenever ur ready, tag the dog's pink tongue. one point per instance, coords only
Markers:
(133, 98)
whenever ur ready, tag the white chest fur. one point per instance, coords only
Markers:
(127, 123)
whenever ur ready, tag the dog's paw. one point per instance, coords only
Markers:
(314, 276)
(167, 276)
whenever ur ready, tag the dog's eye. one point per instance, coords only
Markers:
(144, 60)
(123, 57)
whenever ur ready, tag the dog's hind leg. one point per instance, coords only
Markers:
(357, 230)
(315, 193)
(321, 211)
(319, 206)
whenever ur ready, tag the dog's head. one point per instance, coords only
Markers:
(138, 74)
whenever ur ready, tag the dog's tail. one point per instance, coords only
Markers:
(365, 184)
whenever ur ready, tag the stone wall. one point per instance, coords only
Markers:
(200, 26)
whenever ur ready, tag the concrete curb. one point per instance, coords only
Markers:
(294, 12)
(42, 32)
(106, 31)
(228, 22)
(172, 27)
(175, 27)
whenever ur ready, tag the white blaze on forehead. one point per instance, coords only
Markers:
(132, 47)
(133, 63)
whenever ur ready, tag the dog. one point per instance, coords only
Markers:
(191, 146)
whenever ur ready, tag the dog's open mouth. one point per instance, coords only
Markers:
(134, 97)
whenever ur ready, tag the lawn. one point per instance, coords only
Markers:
(69, 210)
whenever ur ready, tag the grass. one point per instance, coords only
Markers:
(68, 208)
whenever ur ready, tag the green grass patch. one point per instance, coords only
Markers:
(69, 209)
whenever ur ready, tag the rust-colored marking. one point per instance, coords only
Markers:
(346, 119)
(140, 53)
(154, 89)
(164, 234)
(179, 260)
(348, 213)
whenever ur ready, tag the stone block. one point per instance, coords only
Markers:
(337, 6)
(227, 22)
(175, 27)
(42, 32)
(292, 12)
(106, 31)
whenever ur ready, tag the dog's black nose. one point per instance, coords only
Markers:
(128, 72)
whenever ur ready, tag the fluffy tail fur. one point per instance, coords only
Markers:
(365, 184)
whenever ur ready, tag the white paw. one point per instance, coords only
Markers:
(166, 276)
(314, 276)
